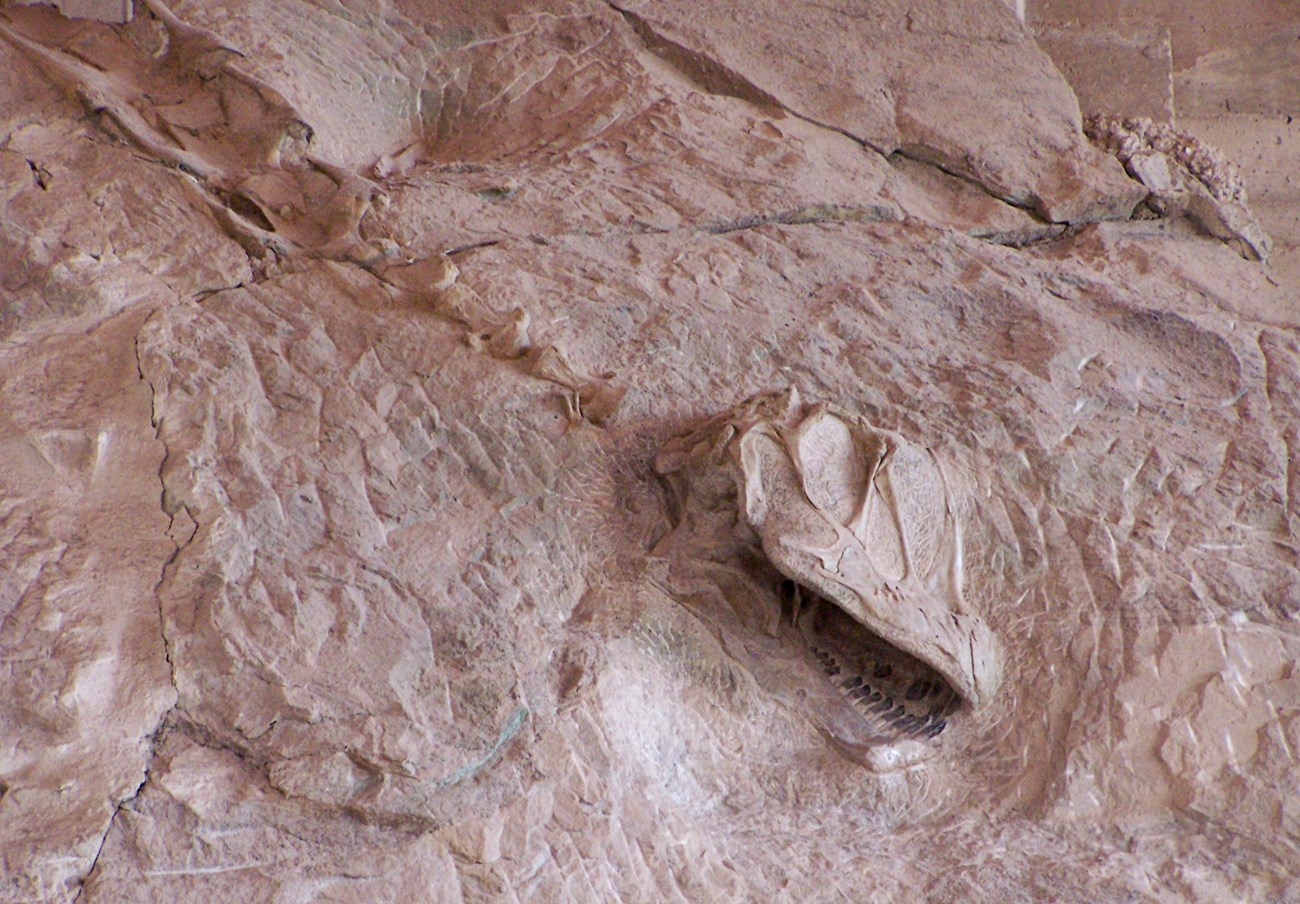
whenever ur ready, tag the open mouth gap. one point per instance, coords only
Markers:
(898, 695)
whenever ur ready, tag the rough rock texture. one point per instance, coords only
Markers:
(350, 357)
(115, 11)
(910, 69)
(1233, 84)
(1122, 73)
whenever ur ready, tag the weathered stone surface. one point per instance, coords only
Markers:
(1261, 78)
(1196, 27)
(343, 355)
(1115, 73)
(894, 79)
(82, 655)
(113, 11)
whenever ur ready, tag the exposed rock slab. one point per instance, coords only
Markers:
(893, 80)
(1128, 73)
(293, 694)
(329, 577)
(1255, 78)
(84, 544)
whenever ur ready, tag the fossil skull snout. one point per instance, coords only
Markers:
(866, 519)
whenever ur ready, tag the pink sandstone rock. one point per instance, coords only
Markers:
(396, 507)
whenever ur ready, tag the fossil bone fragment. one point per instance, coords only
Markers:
(1184, 176)
(863, 524)
(506, 338)
(432, 277)
(594, 399)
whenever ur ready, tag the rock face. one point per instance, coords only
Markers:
(406, 498)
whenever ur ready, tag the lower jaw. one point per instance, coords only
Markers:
(878, 704)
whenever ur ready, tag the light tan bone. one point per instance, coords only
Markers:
(859, 515)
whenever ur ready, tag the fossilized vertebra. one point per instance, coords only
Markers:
(865, 520)
(1184, 175)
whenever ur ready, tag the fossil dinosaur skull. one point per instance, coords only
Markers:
(860, 517)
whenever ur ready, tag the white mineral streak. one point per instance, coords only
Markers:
(344, 353)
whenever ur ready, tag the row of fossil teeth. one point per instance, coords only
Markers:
(920, 709)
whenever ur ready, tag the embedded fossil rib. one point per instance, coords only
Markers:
(862, 518)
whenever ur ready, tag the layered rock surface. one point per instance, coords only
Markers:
(338, 343)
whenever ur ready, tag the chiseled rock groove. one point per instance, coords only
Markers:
(862, 525)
